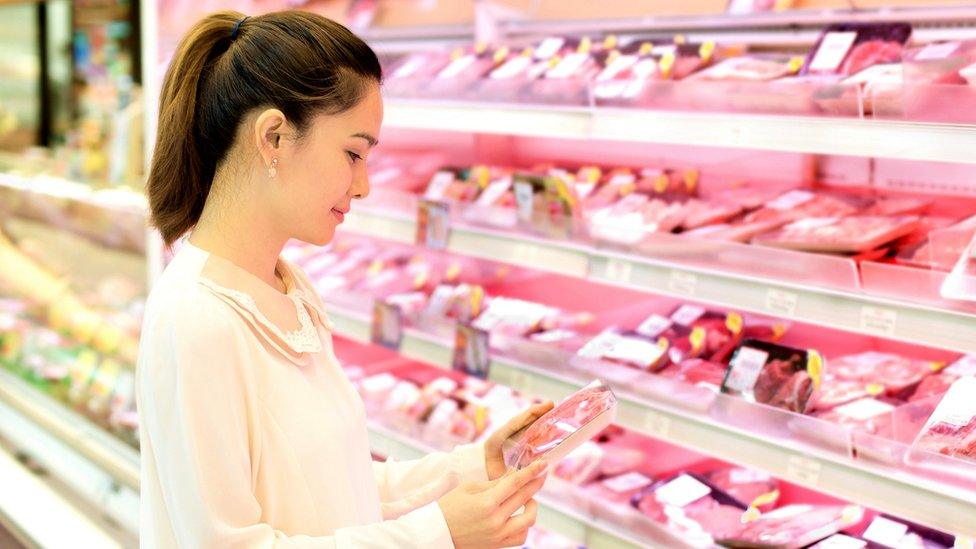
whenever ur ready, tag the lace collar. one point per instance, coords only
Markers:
(289, 322)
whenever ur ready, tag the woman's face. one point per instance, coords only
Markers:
(321, 173)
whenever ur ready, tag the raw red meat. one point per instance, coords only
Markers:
(933, 385)
(696, 370)
(897, 374)
(867, 414)
(715, 518)
(835, 392)
(872, 52)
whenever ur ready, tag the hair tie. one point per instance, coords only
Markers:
(237, 28)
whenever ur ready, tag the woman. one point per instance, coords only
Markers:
(252, 436)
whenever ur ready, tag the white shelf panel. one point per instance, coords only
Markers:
(938, 505)
(76, 432)
(595, 534)
(95, 466)
(815, 135)
(859, 313)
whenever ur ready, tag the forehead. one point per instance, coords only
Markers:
(365, 117)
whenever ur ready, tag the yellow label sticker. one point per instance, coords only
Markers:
(375, 267)
(661, 183)
(751, 514)
(733, 321)
(768, 498)
(874, 389)
(480, 47)
(697, 339)
(666, 64)
(796, 63)
(691, 180)
(815, 367)
(936, 365)
(585, 45)
(500, 54)
(645, 48)
(453, 272)
(610, 42)
(528, 52)
(680, 39)
(706, 50)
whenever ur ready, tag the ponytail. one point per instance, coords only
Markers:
(227, 66)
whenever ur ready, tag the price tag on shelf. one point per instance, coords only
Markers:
(804, 470)
(387, 324)
(433, 224)
(683, 283)
(879, 320)
(781, 302)
(525, 254)
(937, 51)
(618, 270)
(471, 351)
(656, 424)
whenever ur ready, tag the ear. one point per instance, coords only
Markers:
(267, 133)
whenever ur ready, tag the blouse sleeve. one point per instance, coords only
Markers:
(433, 474)
(198, 409)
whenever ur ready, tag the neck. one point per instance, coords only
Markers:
(242, 233)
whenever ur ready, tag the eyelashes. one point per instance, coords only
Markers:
(353, 157)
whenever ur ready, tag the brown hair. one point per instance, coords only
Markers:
(298, 62)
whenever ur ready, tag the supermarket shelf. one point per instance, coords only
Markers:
(853, 312)
(820, 135)
(28, 508)
(938, 505)
(553, 516)
(118, 462)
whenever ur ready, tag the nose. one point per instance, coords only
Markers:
(360, 184)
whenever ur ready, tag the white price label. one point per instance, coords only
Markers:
(885, 532)
(457, 66)
(686, 315)
(781, 302)
(790, 200)
(439, 184)
(840, 541)
(683, 283)
(654, 326)
(569, 65)
(524, 200)
(549, 47)
(619, 65)
(657, 425)
(745, 368)
(681, 491)
(494, 191)
(627, 482)
(804, 470)
(878, 320)
(618, 271)
(511, 68)
(832, 51)
(937, 51)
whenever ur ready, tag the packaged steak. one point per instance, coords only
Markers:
(628, 348)
(894, 374)
(619, 489)
(689, 497)
(848, 48)
(793, 526)
(939, 383)
(625, 73)
(750, 487)
(951, 430)
(774, 374)
(697, 372)
(578, 418)
(888, 531)
(751, 68)
(850, 235)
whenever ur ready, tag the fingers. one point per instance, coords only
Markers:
(512, 481)
(527, 417)
(517, 528)
(521, 496)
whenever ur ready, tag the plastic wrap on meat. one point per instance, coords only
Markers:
(582, 465)
(839, 235)
(835, 392)
(868, 415)
(746, 485)
(933, 385)
(748, 69)
(619, 489)
(696, 370)
(895, 373)
(558, 424)
(792, 527)
(872, 52)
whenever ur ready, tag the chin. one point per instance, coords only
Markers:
(321, 237)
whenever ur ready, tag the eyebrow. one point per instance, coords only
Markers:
(369, 138)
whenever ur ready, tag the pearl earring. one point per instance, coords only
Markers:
(273, 170)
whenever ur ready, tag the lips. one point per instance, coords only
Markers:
(340, 214)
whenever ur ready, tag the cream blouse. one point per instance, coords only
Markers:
(252, 436)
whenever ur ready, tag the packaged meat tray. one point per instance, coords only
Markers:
(792, 527)
(951, 430)
(888, 531)
(750, 68)
(868, 415)
(896, 375)
(749, 487)
(690, 500)
(939, 383)
(848, 48)
(578, 418)
(839, 234)
(774, 374)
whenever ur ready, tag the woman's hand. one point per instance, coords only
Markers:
(494, 460)
(479, 514)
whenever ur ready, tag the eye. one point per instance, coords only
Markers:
(353, 157)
